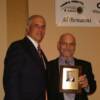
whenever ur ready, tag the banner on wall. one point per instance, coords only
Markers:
(77, 12)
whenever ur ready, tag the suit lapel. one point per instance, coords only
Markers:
(58, 77)
(31, 50)
(76, 62)
(57, 69)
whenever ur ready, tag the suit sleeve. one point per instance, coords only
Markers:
(11, 78)
(91, 80)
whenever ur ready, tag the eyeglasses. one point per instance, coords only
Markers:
(36, 26)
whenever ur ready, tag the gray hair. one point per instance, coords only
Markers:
(29, 21)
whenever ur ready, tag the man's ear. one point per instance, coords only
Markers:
(27, 29)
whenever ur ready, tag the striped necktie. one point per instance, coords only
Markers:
(41, 56)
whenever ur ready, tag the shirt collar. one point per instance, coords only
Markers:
(33, 41)
(70, 60)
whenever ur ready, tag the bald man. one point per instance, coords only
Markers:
(25, 64)
(66, 47)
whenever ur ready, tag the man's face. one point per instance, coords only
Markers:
(66, 46)
(37, 29)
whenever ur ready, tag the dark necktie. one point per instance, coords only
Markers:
(39, 51)
(67, 62)
(41, 56)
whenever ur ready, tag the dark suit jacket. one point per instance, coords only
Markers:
(53, 80)
(24, 72)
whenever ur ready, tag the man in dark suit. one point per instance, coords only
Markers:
(25, 67)
(66, 47)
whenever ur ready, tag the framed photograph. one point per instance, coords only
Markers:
(69, 79)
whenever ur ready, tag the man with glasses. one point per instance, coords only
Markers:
(24, 65)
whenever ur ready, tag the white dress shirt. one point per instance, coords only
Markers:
(33, 42)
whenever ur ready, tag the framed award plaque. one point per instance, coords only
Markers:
(69, 78)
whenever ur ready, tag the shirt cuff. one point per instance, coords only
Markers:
(87, 89)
